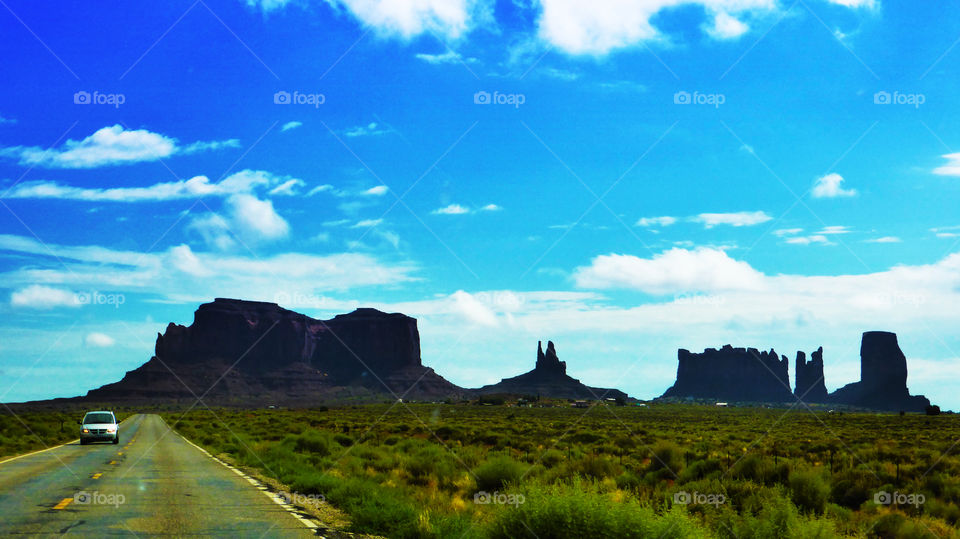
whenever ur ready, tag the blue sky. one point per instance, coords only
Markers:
(624, 177)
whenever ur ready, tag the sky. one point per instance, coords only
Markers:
(623, 177)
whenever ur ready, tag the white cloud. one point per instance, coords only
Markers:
(319, 189)
(452, 209)
(473, 310)
(648, 222)
(367, 223)
(835, 229)
(885, 239)
(952, 168)
(376, 191)
(245, 217)
(449, 57)
(491, 207)
(245, 181)
(338, 222)
(408, 18)
(371, 129)
(291, 125)
(181, 274)
(829, 186)
(288, 188)
(725, 26)
(109, 146)
(99, 340)
(205, 146)
(577, 27)
(43, 297)
(560, 74)
(855, 3)
(676, 270)
(787, 232)
(807, 240)
(743, 218)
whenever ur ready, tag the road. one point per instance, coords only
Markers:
(152, 483)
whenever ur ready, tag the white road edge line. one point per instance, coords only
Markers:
(11, 459)
(277, 499)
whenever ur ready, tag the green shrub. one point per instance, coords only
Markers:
(666, 456)
(558, 511)
(312, 441)
(496, 472)
(808, 491)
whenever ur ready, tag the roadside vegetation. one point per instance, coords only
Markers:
(23, 431)
(463, 470)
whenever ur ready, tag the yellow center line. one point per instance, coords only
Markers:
(63, 503)
(97, 475)
(113, 462)
(120, 453)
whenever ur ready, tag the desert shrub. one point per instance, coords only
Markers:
(808, 491)
(853, 487)
(629, 481)
(593, 467)
(343, 440)
(496, 472)
(551, 458)
(374, 509)
(312, 441)
(431, 461)
(557, 511)
(700, 469)
(666, 456)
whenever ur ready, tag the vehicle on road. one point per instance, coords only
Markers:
(99, 426)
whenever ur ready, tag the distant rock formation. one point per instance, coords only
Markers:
(241, 350)
(883, 377)
(810, 385)
(549, 379)
(732, 374)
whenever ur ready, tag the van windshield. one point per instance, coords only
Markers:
(98, 418)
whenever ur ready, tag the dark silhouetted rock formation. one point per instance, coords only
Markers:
(732, 374)
(810, 386)
(549, 379)
(241, 350)
(883, 377)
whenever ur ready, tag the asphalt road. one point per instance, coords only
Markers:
(152, 483)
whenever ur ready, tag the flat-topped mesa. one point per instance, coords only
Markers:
(810, 385)
(237, 346)
(883, 377)
(732, 374)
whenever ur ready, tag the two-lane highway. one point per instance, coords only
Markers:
(152, 483)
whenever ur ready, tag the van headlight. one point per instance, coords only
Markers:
(85, 431)
(111, 429)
